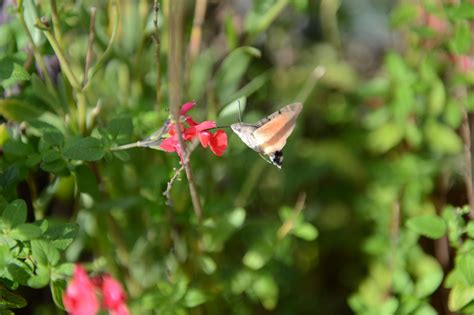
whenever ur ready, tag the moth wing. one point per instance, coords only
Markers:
(294, 108)
(272, 135)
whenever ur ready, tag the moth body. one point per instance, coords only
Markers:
(268, 136)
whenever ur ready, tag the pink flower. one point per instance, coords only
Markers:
(186, 107)
(114, 296)
(80, 296)
(217, 142)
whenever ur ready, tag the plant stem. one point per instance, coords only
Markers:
(175, 71)
(89, 46)
(196, 32)
(308, 86)
(65, 67)
(466, 136)
(156, 38)
(56, 23)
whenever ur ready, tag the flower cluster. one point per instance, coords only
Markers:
(81, 298)
(217, 141)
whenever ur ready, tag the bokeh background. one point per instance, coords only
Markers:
(381, 142)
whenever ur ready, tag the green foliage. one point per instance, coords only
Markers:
(375, 168)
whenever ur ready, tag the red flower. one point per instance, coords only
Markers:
(80, 297)
(217, 142)
(114, 296)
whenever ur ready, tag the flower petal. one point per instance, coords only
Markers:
(186, 107)
(205, 138)
(113, 293)
(79, 297)
(205, 125)
(218, 142)
(169, 144)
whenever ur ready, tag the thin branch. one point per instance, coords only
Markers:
(108, 49)
(156, 39)
(175, 74)
(90, 42)
(56, 23)
(196, 31)
(310, 82)
(466, 136)
(169, 185)
(65, 67)
(288, 225)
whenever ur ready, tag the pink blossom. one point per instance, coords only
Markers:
(114, 296)
(80, 296)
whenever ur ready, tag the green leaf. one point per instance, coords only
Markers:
(201, 71)
(40, 278)
(25, 232)
(57, 290)
(460, 296)
(44, 252)
(120, 126)
(43, 93)
(429, 275)
(86, 181)
(16, 148)
(11, 72)
(385, 137)
(470, 229)
(86, 149)
(207, 264)
(256, 258)
(441, 138)
(437, 98)
(430, 226)
(403, 14)
(305, 231)
(62, 235)
(9, 299)
(461, 11)
(15, 213)
(19, 272)
(53, 137)
(18, 111)
(231, 71)
(266, 289)
(466, 267)
(194, 297)
(461, 42)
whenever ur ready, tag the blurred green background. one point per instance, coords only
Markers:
(363, 216)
